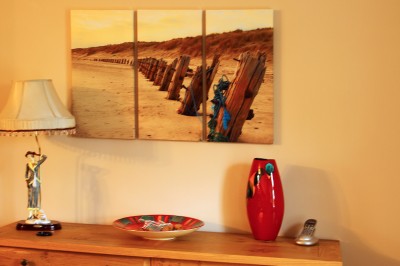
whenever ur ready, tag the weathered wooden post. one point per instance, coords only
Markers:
(149, 67)
(168, 73)
(177, 80)
(153, 69)
(160, 72)
(194, 93)
(211, 72)
(145, 65)
(240, 96)
(141, 62)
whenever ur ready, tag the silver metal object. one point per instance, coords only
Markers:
(306, 237)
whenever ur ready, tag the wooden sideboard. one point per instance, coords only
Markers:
(85, 244)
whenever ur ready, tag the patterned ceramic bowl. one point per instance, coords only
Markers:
(158, 226)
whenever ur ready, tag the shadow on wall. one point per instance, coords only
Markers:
(234, 213)
(310, 193)
(313, 193)
(354, 245)
(90, 190)
(5, 206)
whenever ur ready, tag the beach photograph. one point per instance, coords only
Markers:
(169, 48)
(102, 73)
(235, 104)
(235, 34)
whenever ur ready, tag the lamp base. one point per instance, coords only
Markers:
(53, 225)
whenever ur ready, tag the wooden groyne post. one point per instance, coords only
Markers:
(154, 69)
(240, 96)
(177, 80)
(167, 76)
(152, 65)
(162, 64)
(194, 93)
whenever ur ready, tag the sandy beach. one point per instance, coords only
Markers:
(104, 93)
(103, 103)
(103, 99)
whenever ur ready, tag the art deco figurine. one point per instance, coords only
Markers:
(33, 182)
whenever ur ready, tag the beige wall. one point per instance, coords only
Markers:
(337, 82)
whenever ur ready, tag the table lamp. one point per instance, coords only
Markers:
(32, 109)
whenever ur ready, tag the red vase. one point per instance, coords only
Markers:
(265, 202)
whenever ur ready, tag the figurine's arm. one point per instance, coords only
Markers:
(27, 172)
(42, 159)
(27, 175)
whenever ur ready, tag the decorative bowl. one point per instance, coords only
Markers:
(158, 226)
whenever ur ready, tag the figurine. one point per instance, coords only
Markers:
(33, 182)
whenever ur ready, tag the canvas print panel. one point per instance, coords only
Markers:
(169, 48)
(102, 73)
(240, 105)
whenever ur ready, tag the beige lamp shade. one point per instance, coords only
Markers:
(34, 106)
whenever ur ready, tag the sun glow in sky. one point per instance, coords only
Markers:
(163, 25)
(90, 28)
(218, 21)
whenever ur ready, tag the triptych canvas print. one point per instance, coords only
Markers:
(182, 75)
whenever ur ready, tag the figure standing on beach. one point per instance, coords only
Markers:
(33, 182)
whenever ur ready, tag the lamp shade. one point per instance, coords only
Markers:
(34, 106)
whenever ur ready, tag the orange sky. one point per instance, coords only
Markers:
(100, 27)
(91, 28)
(218, 21)
(162, 25)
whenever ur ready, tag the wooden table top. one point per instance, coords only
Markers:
(200, 245)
